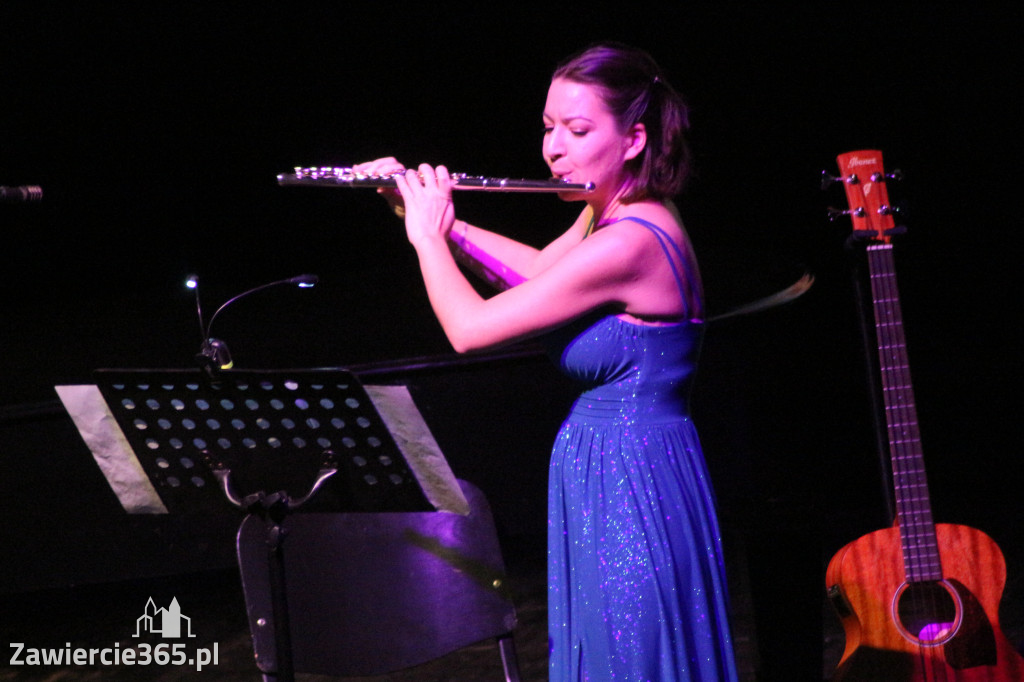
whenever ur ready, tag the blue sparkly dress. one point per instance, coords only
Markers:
(636, 582)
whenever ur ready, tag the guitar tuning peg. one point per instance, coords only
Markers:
(893, 210)
(827, 180)
(896, 175)
(835, 213)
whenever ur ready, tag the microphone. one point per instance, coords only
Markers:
(214, 353)
(22, 194)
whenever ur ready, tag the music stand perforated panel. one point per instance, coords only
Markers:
(271, 428)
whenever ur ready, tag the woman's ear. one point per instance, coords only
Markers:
(636, 140)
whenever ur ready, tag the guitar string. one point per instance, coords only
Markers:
(883, 323)
(919, 546)
(885, 346)
(900, 418)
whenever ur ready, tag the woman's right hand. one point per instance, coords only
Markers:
(388, 165)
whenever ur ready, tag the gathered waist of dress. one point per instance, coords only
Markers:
(653, 409)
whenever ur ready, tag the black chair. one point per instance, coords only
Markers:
(373, 593)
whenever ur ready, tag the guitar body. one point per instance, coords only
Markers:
(956, 638)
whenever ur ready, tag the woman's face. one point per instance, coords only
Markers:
(582, 140)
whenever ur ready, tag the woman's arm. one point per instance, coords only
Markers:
(501, 261)
(604, 270)
(477, 250)
(598, 271)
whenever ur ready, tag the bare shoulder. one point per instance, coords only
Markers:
(662, 271)
(664, 216)
(628, 231)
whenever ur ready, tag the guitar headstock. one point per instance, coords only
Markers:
(863, 177)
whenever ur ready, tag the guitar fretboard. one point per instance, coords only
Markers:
(913, 505)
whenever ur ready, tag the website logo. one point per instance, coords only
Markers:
(168, 622)
(164, 622)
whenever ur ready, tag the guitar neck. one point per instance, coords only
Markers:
(864, 180)
(913, 504)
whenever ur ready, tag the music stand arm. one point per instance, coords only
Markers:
(325, 473)
(261, 500)
(273, 509)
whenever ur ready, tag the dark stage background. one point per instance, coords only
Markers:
(156, 132)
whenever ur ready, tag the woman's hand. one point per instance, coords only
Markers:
(386, 166)
(429, 211)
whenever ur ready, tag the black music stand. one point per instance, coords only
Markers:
(261, 430)
(271, 442)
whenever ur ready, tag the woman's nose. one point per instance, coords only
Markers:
(553, 146)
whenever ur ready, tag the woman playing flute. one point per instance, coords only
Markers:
(637, 586)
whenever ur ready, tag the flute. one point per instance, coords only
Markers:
(346, 177)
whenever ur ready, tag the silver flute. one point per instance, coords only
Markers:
(346, 177)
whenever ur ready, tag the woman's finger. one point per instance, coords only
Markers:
(444, 179)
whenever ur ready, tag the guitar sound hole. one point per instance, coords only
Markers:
(928, 613)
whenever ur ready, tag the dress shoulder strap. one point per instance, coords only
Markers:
(666, 242)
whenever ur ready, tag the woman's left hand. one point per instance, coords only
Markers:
(429, 211)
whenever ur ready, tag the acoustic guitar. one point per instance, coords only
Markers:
(919, 601)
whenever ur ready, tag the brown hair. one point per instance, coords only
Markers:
(635, 91)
